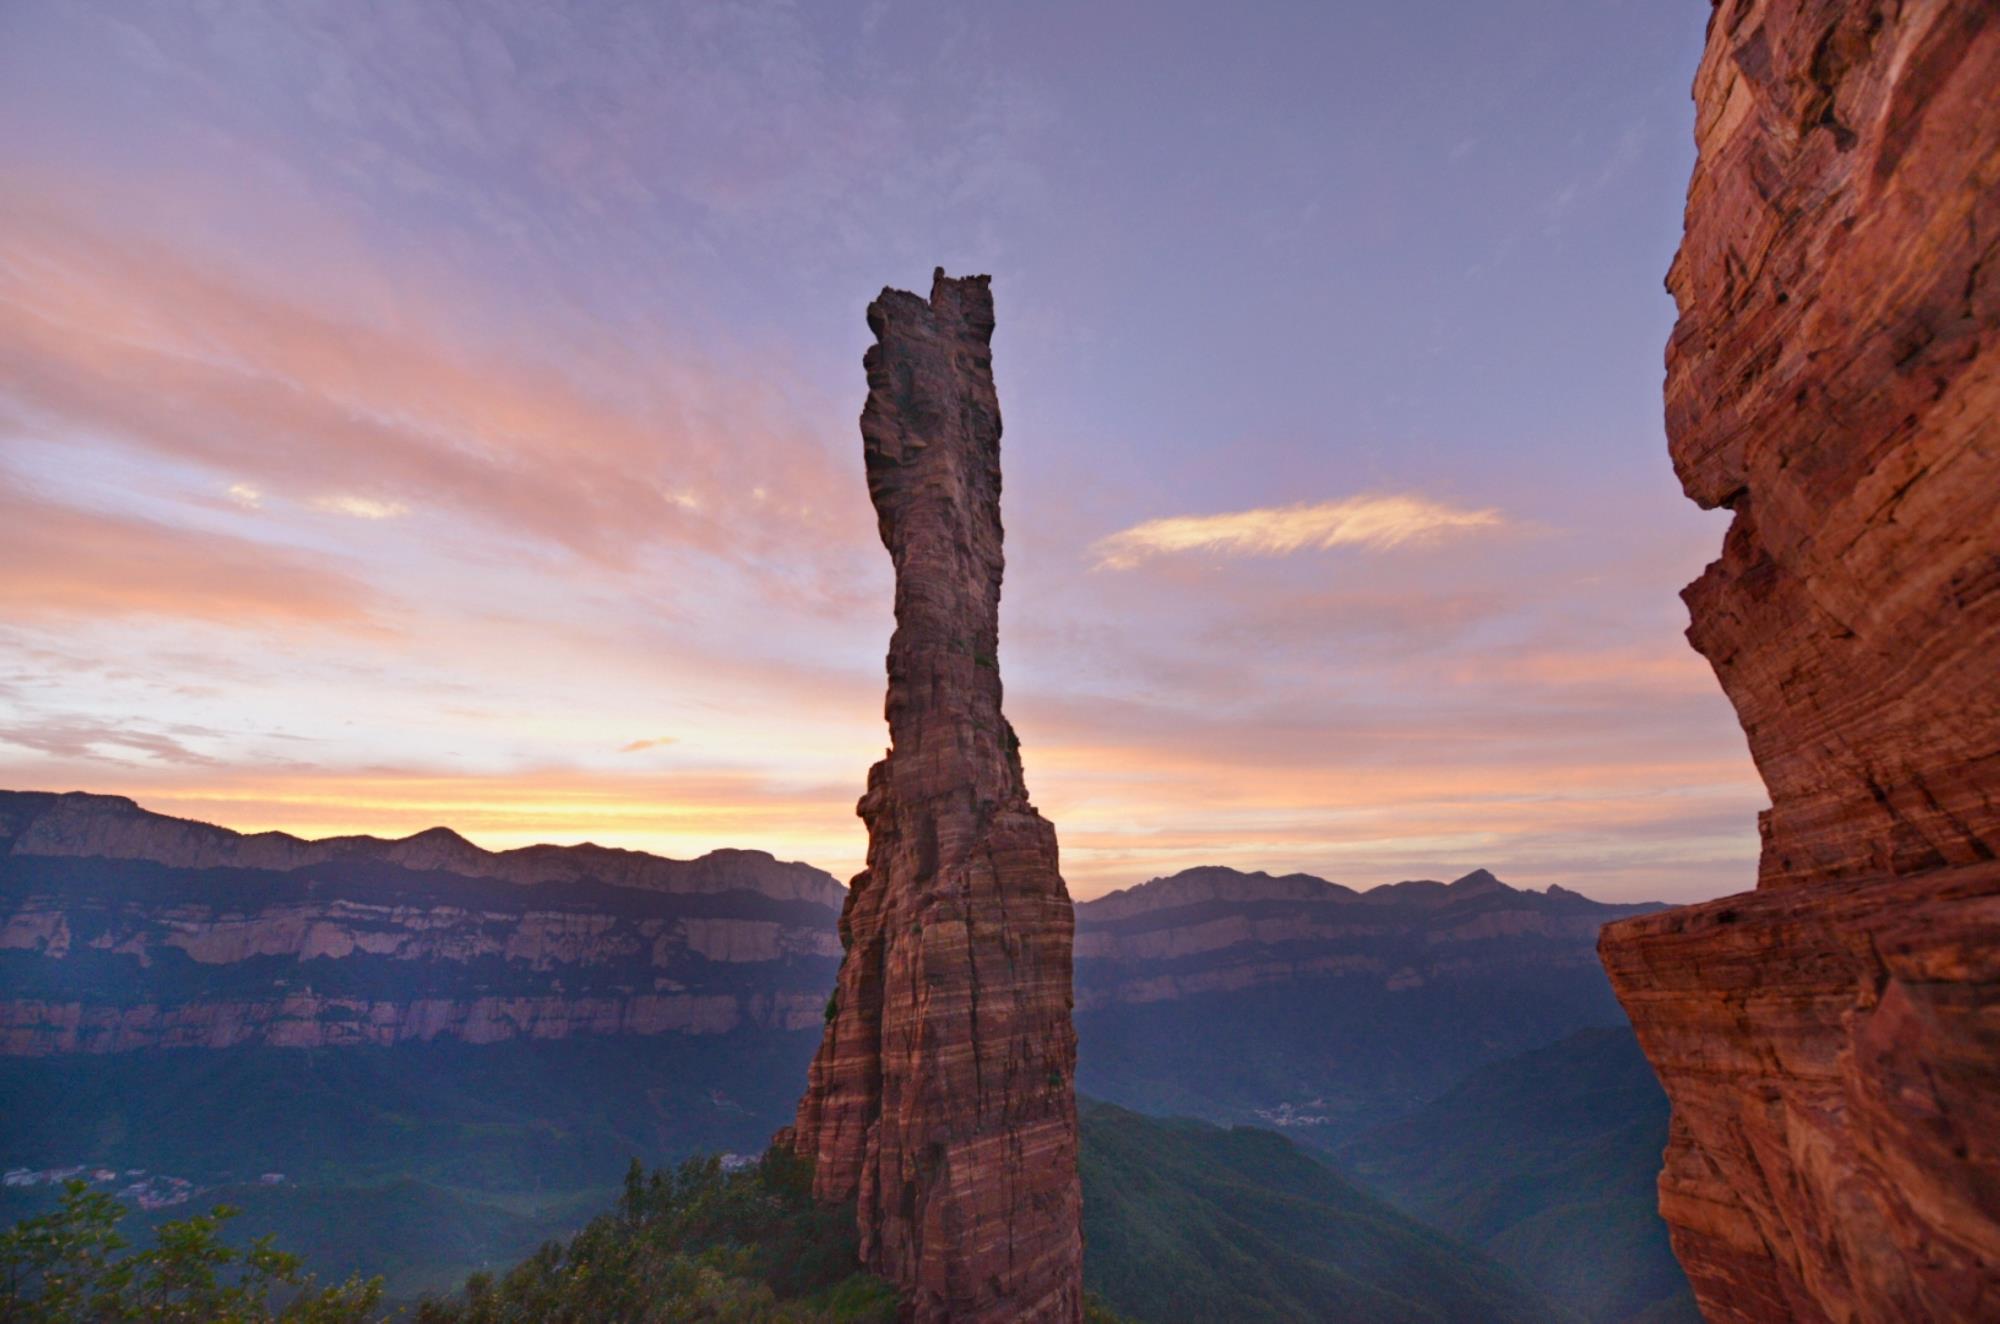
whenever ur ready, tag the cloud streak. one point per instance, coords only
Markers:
(65, 562)
(1377, 523)
(117, 337)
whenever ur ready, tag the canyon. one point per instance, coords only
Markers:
(1830, 1042)
(942, 1100)
(456, 1052)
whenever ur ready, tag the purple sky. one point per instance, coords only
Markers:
(445, 413)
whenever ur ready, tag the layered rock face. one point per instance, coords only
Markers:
(1831, 1042)
(123, 930)
(942, 1098)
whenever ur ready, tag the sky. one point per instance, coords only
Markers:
(445, 414)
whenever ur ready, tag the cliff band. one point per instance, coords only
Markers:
(942, 1099)
(1831, 1042)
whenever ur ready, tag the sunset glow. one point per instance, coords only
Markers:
(330, 508)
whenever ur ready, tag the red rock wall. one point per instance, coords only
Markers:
(942, 1099)
(1831, 1042)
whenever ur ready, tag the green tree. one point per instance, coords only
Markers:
(69, 1265)
(692, 1243)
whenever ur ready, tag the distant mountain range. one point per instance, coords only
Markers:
(122, 929)
(421, 1025)
(1297, 1003)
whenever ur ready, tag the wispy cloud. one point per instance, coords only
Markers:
(121, 338)
(641, 746)
(1375, 522)
(361, 507)
(68, 562)
(82, 738)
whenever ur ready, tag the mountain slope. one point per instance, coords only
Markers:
(1298, 1003)
(1189, 1223)
(1548, 1161)
(507, 1143)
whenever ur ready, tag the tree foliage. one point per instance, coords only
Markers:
(695, 1243)
(71, 1265)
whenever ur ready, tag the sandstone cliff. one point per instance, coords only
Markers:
(942, 1099)
(121, 930)
(1829, 1042)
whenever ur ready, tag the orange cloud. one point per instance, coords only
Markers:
(360, 507)
(1375, 522)
(121, 338)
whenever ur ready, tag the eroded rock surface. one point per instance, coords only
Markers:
(942, 1099)
(1831, 1043)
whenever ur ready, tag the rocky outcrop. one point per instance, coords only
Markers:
(123, 930)
(1830, 1042)
(942, 1100)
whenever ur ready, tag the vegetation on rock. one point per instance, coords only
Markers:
(694, 1243)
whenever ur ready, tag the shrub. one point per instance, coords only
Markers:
(69, 1265)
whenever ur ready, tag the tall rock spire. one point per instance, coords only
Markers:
(942, 1099)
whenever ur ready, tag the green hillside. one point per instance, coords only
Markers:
(419, 1162)
(1548, 1162)
(1186, 1223)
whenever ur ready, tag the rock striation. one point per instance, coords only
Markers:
(1831, 1042)
(942, 1099)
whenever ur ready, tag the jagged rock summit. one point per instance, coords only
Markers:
(942, 1100)
(1831, 1041)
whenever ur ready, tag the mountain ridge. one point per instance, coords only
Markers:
(88, 824)
(1216, 882)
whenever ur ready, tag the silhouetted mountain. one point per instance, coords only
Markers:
(76, 823)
